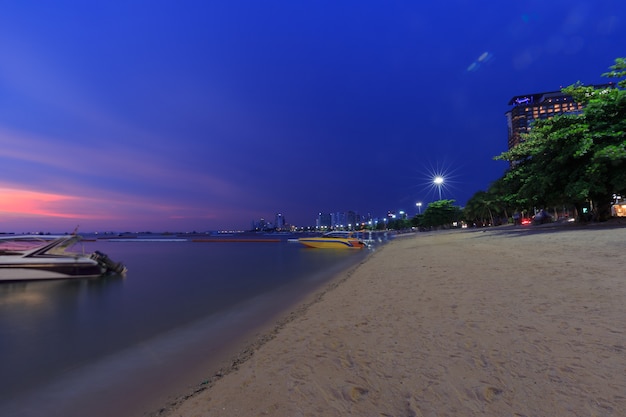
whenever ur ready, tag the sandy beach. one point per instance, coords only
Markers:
(508, 321)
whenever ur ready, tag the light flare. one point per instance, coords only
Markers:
(438, 180)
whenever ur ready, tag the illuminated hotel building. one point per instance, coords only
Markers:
(531, 107)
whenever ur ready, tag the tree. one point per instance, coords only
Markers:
(482, 208)
(441, 213)
(417, 221)
(618, 71)
(399, 224)
(548, 169)
(606, 147)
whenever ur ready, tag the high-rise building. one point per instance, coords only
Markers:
(279, 221)
(352, 220)
(261, 225)
(339, 220)
(323, 221)
(530, 107)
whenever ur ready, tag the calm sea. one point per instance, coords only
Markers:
(103, 346)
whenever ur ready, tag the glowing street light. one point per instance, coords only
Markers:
(438, 181)
(419, 207)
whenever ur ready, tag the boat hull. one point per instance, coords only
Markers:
(331, 243)
(59, 269)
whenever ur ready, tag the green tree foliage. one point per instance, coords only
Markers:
(605, 147)
(481, 208)
(441, 213)
(618, 71)
(399, 224)
(493, 206)
(417, 221)
(548, 169)
(574, 158)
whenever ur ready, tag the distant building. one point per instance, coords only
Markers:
(339, 220)
(530, 107)
(352, 220)
(279, 222)
(261, 225)
(324, 221)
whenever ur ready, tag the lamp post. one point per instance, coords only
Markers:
(419, 207)
(438, 181)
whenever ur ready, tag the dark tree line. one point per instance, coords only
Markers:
(441, 213)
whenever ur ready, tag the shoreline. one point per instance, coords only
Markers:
(140, 377)
(260, 335)
(257, 366)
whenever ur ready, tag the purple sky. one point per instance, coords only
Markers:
(203, 115)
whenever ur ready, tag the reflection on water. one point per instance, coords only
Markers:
(33, 296)
(44, 327)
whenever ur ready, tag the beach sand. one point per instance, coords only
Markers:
(508, 321)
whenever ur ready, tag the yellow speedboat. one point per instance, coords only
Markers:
(333, 240)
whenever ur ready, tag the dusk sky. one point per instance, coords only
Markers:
(204, 115)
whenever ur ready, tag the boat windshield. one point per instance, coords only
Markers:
(19, 245)
(340, 235)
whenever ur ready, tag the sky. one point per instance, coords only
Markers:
(208, 115)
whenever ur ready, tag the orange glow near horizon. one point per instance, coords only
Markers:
(32, 203)
(28, 209)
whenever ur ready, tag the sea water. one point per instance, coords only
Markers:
(72, 346)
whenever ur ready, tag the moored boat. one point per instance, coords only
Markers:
(35, 257)
(333, 240)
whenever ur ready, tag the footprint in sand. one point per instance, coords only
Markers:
(352, 393)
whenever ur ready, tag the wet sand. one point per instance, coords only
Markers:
(503, 322)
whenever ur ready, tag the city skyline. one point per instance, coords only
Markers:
(145, 116)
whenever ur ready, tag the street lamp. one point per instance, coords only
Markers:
(438, 181)
(419, 207)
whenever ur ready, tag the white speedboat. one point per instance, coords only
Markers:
(39, 257)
